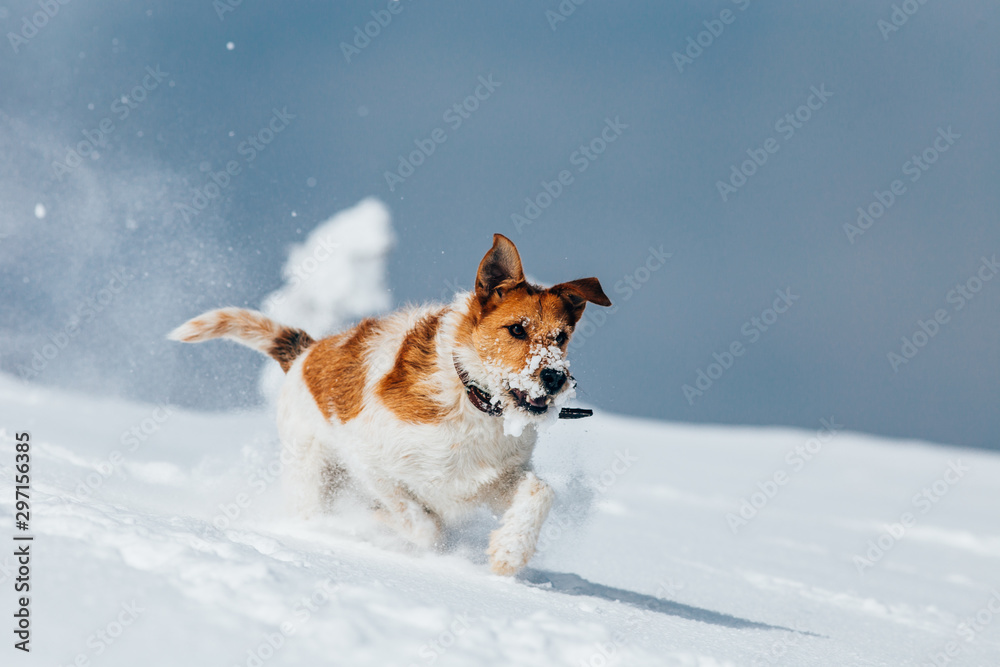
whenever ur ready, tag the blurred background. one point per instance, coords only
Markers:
(158, 159)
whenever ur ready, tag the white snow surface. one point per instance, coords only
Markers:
(637, 561)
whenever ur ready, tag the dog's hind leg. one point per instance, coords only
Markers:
(398, 508)
(334, 481)
(305, 475)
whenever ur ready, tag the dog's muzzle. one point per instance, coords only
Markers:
(483, 401)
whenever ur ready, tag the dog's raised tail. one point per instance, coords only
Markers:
(249, 327)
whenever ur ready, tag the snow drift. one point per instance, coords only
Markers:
(170, 520)
(336, 275)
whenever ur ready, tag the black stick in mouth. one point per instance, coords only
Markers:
(575, 413)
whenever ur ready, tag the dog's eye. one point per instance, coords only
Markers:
(517, 331)
(561, 338)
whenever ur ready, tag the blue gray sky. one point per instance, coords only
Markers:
(804, 112)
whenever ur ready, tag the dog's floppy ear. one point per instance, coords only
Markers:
(501, 264)
(579, 292)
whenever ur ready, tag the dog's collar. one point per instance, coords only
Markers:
(481, 398)
(477, 396)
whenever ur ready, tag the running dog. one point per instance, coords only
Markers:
(429, 411)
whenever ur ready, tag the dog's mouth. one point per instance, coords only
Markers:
(533, 405)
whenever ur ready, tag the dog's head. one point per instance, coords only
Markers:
(519, 332)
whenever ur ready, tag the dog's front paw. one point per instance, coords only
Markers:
(509, 552)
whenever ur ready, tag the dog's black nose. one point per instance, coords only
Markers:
(553, 379)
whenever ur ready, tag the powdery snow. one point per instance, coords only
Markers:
(176, 551)
(337, 275)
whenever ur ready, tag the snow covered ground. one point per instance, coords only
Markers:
(176, 551)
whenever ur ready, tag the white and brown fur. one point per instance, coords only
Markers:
(381, 407)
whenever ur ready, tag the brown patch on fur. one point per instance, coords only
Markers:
(244, 321)
(467, 324)
(405, 389)
(289, 344)
(227, 323)
(335, 371)
(542, 313)
(503, 297)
